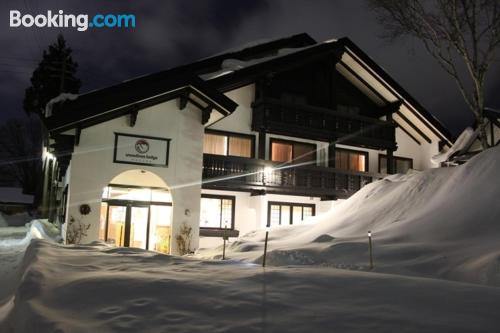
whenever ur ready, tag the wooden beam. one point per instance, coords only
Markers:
(78, 132)
(366, 84)
(133, 117)
(331, 155)
(262, 145)
(390, 161)
(405, 102)
(183, 100)
(205, 114)
(408, 133)
(393, 107)
(256, 193)
(412, 125)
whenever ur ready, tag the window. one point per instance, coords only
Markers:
(353, 160)
(284, 213)
(228, 144)
(135, 193)
(217, 211)
(401, 164)
(288, 151)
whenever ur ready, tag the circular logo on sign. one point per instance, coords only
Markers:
(142, 146)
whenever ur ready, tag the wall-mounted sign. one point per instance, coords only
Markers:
(141, 150)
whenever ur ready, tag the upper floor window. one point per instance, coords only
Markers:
(353, 160)
(400, 164)
(228, 144)
(288, 151)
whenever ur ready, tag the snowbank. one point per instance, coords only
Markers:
(13, 244)
(15, 220)
(101, 289)
(441, 223)
(3, 222)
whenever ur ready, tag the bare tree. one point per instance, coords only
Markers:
(21, 150)
(456, 33)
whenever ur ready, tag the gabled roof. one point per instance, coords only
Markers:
(401, 94)
(249, 64)
(108, 103)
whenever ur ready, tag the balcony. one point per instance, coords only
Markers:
(275, 116)
(261, 176)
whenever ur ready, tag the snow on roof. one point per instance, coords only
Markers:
(463, 141)
(60, 98)
(232, 65)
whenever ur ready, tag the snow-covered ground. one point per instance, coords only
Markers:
(101, 289)
(441, 223)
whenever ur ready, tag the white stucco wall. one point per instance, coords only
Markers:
(92, 166)
(421, 154)
(251, 211)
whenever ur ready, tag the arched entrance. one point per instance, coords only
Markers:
(136, 211)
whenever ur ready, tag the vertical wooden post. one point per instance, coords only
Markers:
(331, 155)
(224, 244)
(262, 145)
(390, 152)
(492, 133)
(370, 248)
(390, 161)
(265, 249)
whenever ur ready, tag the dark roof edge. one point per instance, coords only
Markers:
(393, 83)
(220, 102)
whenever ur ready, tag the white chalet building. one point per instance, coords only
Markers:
(267, 135)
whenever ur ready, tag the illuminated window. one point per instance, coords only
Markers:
(400, 164)
(217, 211)
(228, 144)
(280, 213)
(288, 151)
(353, 160)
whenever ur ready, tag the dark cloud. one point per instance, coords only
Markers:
(171, 33)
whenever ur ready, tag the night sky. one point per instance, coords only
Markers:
(170, 33)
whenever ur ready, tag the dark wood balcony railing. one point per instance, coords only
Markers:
(254, 175)
(275, 116)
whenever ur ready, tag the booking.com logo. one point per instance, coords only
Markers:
(61, 20)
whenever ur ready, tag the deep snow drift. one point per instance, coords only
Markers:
(442, 223)
(437, 223)
(13, 243)
(96, 288)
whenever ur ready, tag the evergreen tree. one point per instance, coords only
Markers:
(54, 75)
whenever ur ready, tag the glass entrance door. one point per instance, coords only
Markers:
(138, 217)
(160, 228)
(117, 217)
(137, 225)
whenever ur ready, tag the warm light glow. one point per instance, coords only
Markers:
(268, 171)
(49, 155)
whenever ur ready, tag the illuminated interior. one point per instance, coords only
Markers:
(135, 216)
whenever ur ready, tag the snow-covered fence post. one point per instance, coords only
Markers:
(370, 248)
(225, 239)
(265, 248)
